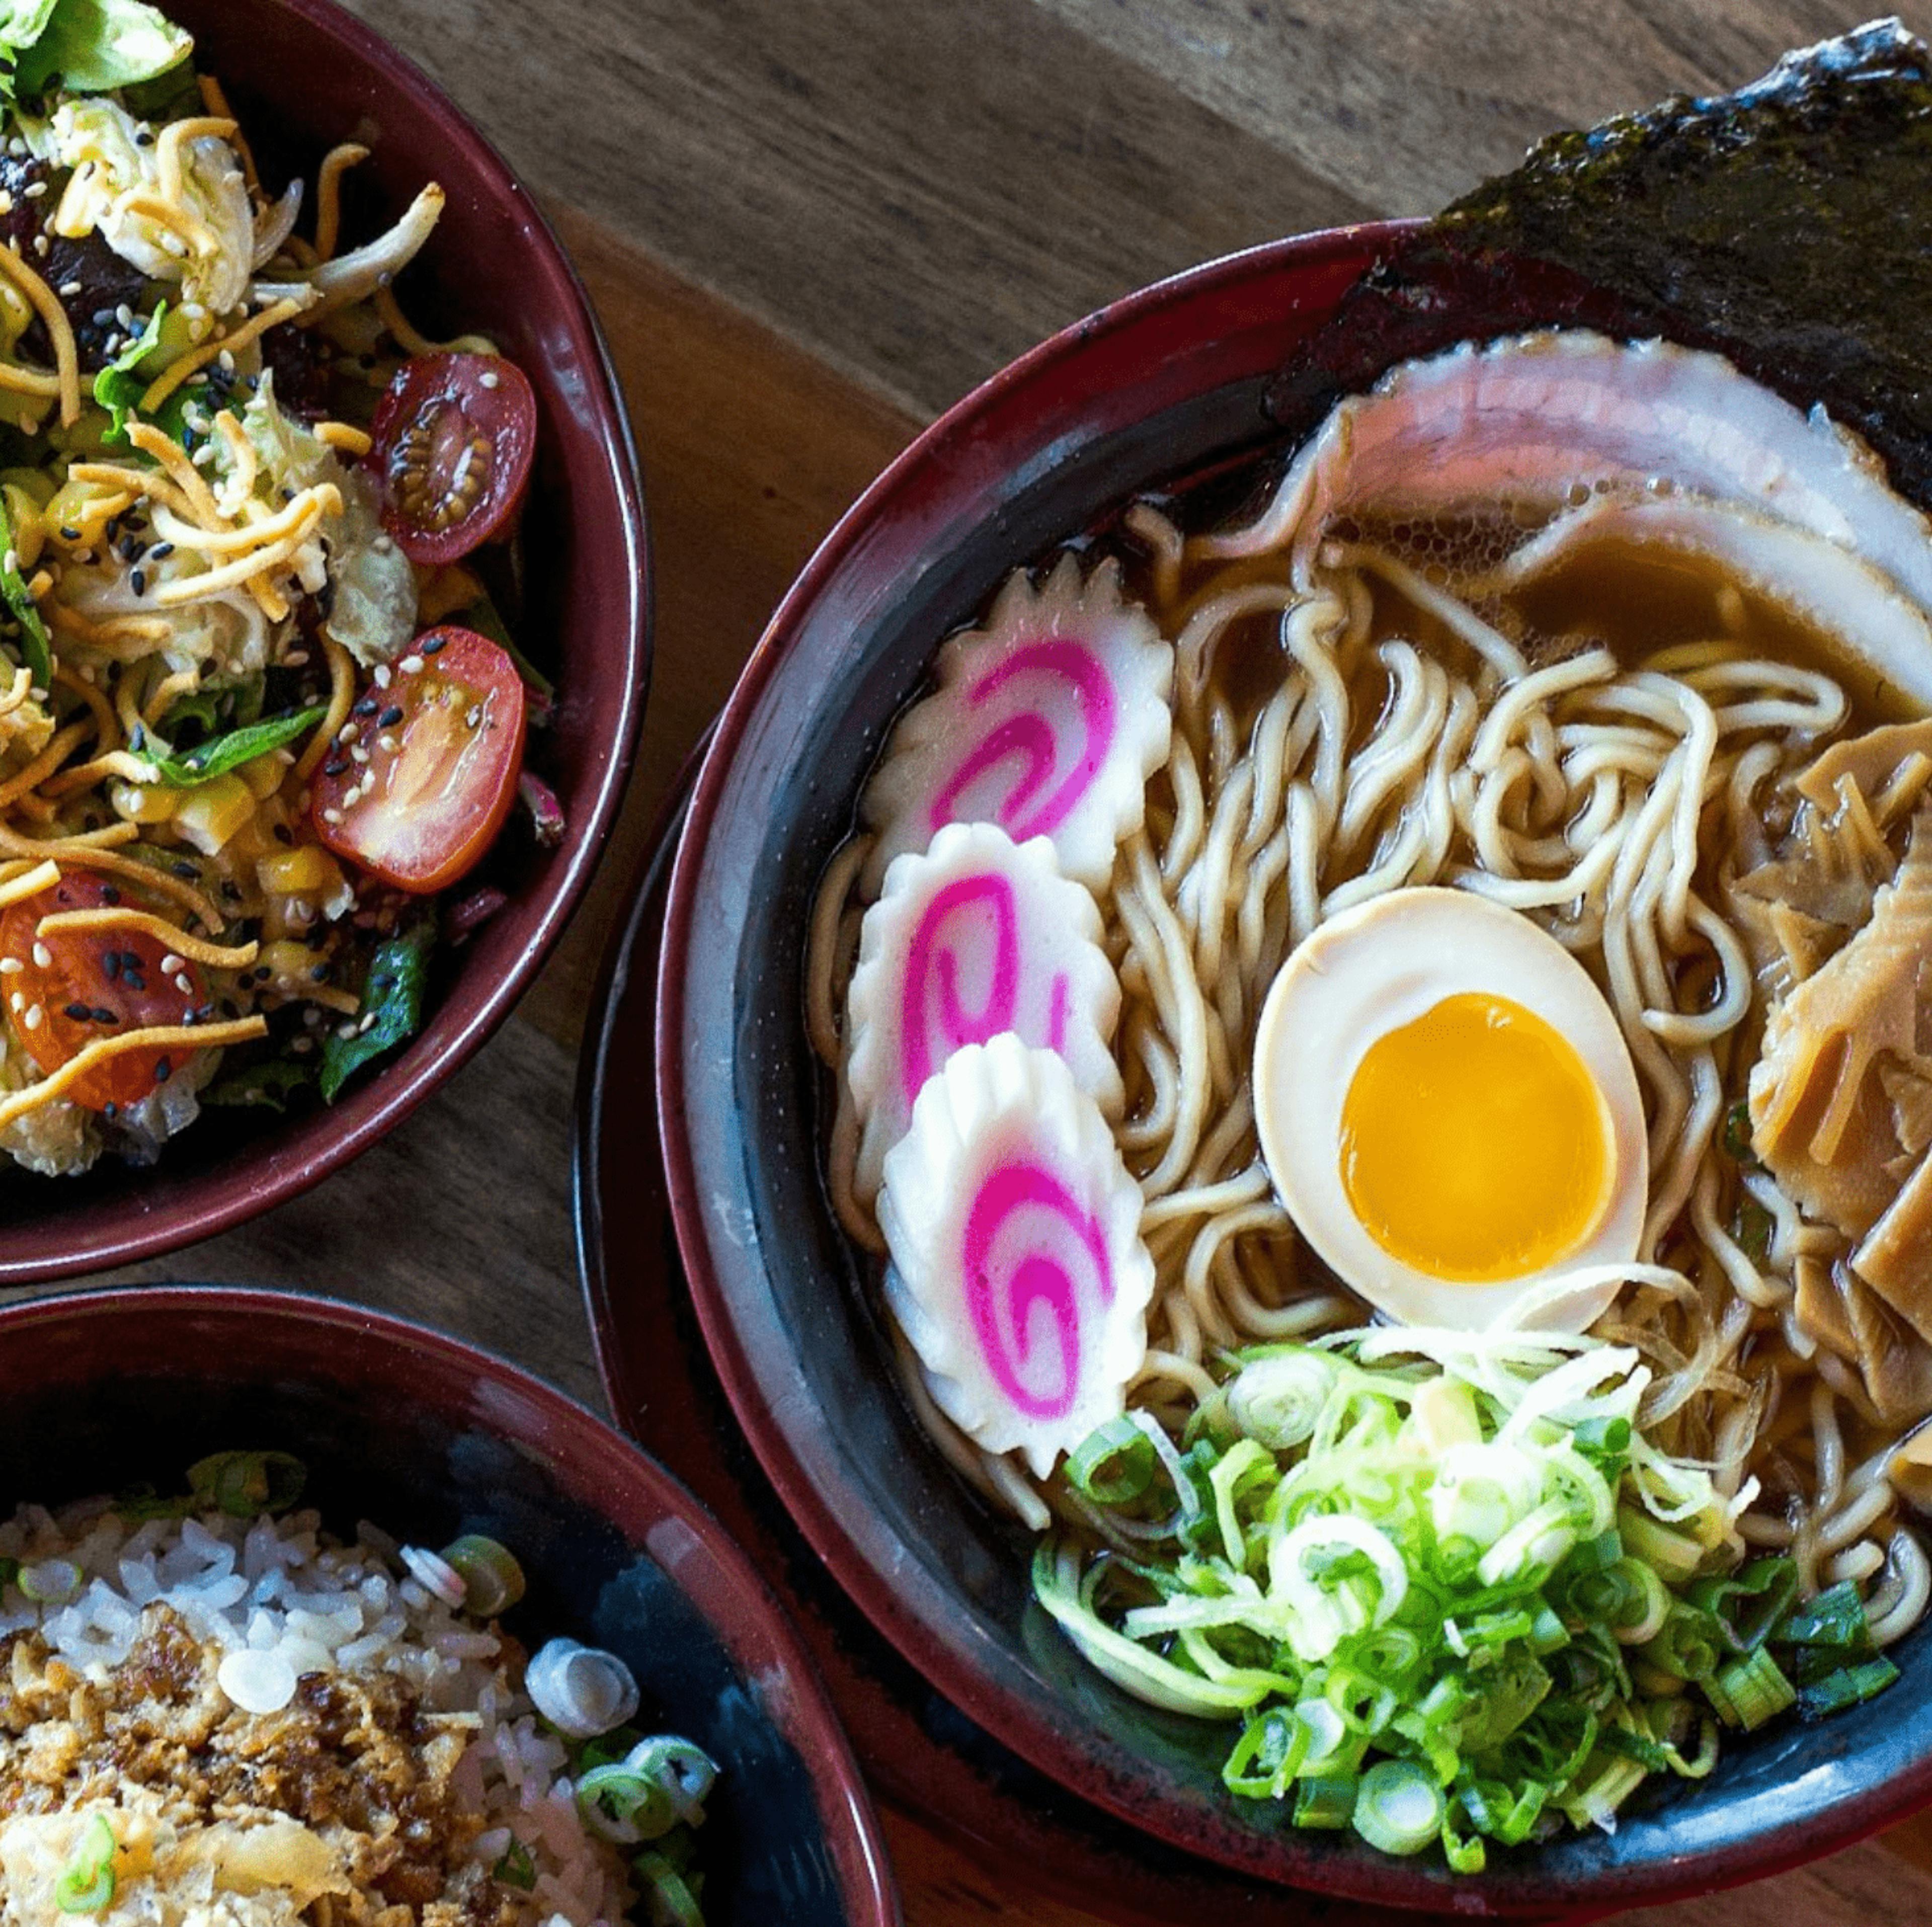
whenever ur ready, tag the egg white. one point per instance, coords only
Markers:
(1374, 969)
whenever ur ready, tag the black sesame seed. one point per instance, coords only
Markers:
(110, 896)
(163, 1070)
(110, 1110)
(390, 716)
(182, 868)
(111, 964)
(318, 974)
(161, 551)
(431, 645)
(368, 706)
(139, 581)
(79, 1012)
(335, 766)
(102, 1014)
(103, 317)
(133, 979)
(283, 834)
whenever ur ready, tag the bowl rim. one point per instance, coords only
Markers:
(607, 1462)
(256, 1177)
(1859, 1814)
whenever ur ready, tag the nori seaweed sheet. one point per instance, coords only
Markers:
(1788, 226)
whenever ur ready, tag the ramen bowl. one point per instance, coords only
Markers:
(428, 1439)
(303, 75)
(1180, 380)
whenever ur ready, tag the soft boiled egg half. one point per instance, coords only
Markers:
(1451, 1116)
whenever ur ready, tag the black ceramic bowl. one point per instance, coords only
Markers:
(430, 1439)
(1165, 384)
(303, 75)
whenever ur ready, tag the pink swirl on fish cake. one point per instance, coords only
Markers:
(956, 915)
(1031, 735)
(1002, 1303)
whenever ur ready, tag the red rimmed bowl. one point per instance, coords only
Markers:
(1172, 382)
(302, 75)
(429, 1439)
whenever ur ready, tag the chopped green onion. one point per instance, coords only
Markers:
(623, 1804)
(1850, 1686)
(493, 1580)
(1738, 1134)
(671, 1899)
(1608, 1438)
(1465, 1852)
(244, 1485)
(1749, 1603)
(1398, 1808)
(1835, 1617)
(51, 1582)
(516, 1869)
(1674, 1556)
(1268, 1756)
(1752, 1228)
(1113, 1465)
(1749, 1690)
(1328, 1799)
(1690, 1645)
(86, 1885)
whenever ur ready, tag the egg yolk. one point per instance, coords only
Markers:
(1475, 1145)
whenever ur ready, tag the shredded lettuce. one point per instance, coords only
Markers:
(1450, 1591)
(95, 46)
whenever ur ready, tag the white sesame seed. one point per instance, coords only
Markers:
(358, 753)
(42, 243)
(16, 1002)
(474, 716)
(124, 315)
(382, 545)
(11, 965)
(226, 360)
(410, 664)
(170, 965)
(491, 380)
(331, 816)
(352, 796)
(10, 562)
(296, 658)
(32, 1019)
(367, 1023)
(42, 957)
(69, 289)
(345, 1030)
(387, 742)
(382, 678)
(185, 984)
(348, 733)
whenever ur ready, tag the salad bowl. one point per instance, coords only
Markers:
(302, 76)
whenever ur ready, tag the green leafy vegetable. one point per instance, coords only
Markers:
(119, 386)
(393, 997)
(95, 46)
(36, 651)
(220, 754)
(271, 1084)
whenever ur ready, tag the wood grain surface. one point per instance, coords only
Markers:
(808, 225)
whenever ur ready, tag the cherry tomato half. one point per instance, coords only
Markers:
(93, 985)
(452, 441)
(439, 750)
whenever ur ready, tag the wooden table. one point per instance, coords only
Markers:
(809, 225)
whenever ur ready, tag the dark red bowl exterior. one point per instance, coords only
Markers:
(1170, 381)
(429, 1438)
(302, 74)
